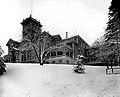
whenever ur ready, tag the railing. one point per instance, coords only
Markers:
(112, 68)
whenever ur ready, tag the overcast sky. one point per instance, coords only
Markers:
(86, 18)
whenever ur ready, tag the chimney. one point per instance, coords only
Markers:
(66, 35)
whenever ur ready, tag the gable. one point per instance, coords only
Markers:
(12, 43)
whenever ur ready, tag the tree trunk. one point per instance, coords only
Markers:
(37, 56)
(117, 52)
(41, 63)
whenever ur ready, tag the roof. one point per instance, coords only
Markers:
(59, 57)
(31, 19)
(75, 37)
(62, 46)
(57, 36)
(12, 41)
(44, 33)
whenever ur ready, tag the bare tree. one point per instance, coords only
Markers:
(41, 43)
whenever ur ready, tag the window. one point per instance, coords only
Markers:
(28, 55)
(60, 61)
(53, 53)
(22, 58)
(71, 54)
(59, 53)
(67, 53)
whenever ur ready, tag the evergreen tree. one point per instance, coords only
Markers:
(113, 25)
(112, 35)
(108, 46)
(2, 65)
(1, 51)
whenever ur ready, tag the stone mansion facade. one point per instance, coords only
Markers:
(70, 47)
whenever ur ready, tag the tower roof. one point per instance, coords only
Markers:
(31, 19)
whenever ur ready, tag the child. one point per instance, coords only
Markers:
(79, 61)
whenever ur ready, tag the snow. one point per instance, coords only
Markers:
(33, 80)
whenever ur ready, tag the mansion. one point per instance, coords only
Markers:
(65, 53)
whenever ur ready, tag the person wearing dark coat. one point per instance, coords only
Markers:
(79, 62)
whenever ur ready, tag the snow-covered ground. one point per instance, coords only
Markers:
(33, 80)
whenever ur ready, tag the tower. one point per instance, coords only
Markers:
(30, 25)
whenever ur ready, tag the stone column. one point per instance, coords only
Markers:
(56, 53)
(69, 54)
